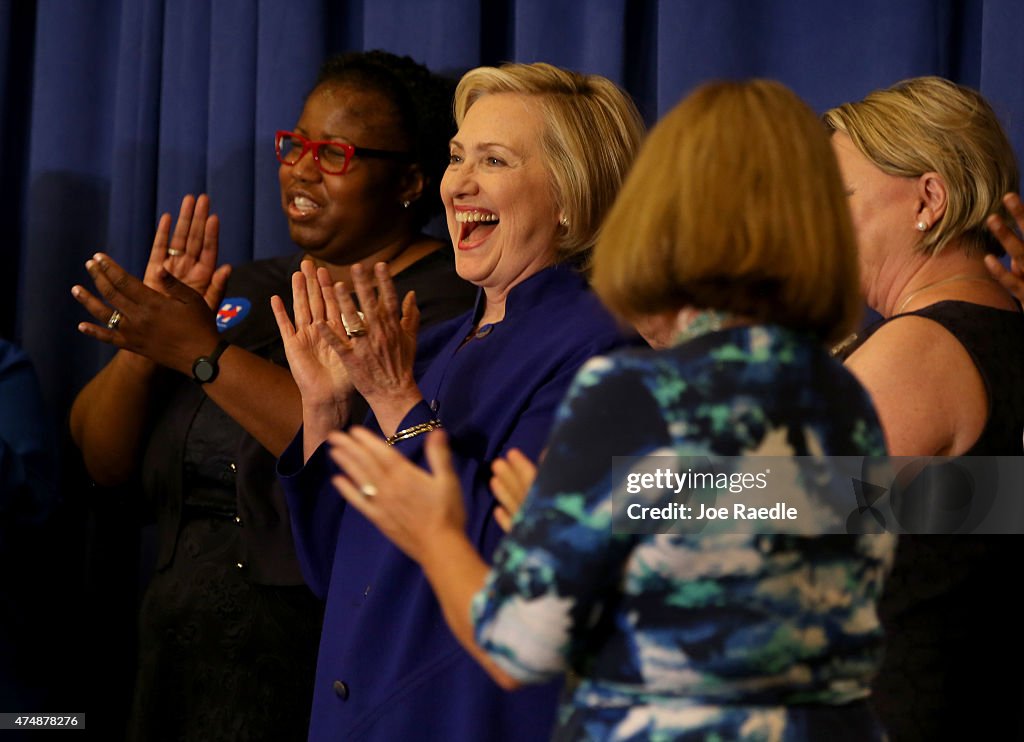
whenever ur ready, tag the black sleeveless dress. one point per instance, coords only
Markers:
(954, 653)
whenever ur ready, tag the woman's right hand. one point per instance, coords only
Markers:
(190, 253)
(1012, 279)
(512, 478)
(317, 369)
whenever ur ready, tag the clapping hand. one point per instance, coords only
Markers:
(512, 478)
(411, 507)
(190, 254)
(1012, 279)
(158, 318)
(171, 325)
(379, 346)
(317, 369)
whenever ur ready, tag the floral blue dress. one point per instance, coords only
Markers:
(732, 636)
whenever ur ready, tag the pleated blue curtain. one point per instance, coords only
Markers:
(110, 111)
(16, 49)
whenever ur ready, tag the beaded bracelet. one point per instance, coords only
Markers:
(414, 431)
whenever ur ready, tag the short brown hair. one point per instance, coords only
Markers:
(592, 132)
(929, 124)
(735, 203)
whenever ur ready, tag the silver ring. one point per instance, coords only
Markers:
(174, 252)
(355, 329)
(368, 490)
(115, 320)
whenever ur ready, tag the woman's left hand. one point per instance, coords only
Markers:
(411, 506)
(381, 347)
(1012, 279)
(172, 326)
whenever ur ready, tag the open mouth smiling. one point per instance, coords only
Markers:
(475, 226)
(300, 205)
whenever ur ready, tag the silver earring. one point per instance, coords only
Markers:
(922, 226)
(405, 204)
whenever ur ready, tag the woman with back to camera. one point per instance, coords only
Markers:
(742, 636)
(925, 163)
(228, 630)
(538, 157)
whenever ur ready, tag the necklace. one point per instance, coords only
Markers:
(936, 284)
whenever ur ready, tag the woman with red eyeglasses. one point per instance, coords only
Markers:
(199, 401)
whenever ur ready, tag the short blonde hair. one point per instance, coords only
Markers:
(929, 124)
(592, 133)
(735, 203)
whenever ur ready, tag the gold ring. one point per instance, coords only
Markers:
(174, 252)
(355, 329)
(368, 490)
(115, 320)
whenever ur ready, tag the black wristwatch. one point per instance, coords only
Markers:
(205, 368)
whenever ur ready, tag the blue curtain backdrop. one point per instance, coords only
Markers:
(112, 110)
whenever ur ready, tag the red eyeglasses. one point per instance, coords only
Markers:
(332, 158)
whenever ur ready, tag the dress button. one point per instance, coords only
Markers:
(240, 565)
(341, 688)
(229, 474)
(238, 520)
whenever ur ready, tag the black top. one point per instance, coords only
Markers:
(195, 447)
(994, 338)
(953, 650)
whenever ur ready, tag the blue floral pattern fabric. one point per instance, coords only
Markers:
(744, 636)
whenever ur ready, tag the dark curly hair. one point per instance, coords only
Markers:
(423, 101)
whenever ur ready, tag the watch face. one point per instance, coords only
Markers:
(203, 370)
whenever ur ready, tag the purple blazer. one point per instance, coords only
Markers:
(389, 668)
